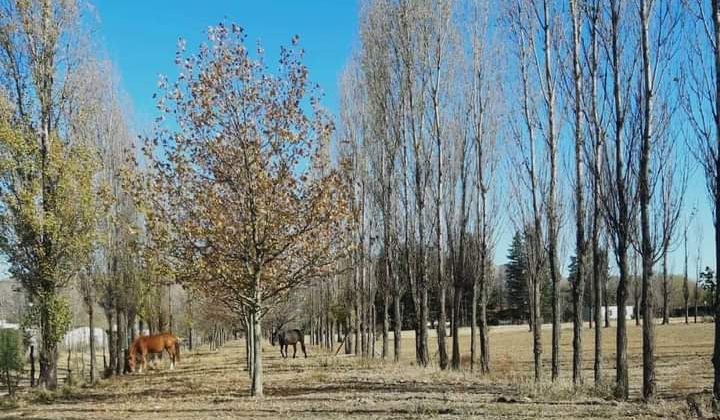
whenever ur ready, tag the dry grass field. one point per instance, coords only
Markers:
(209, 385)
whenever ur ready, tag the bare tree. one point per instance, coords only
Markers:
(526, 137)
(618, 188)
(486, 88)
(658, 48)
(548, 83)
(580, 243)
(702, 105)
(596, 123)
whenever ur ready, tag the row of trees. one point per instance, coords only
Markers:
(67, 219)
(236, 194)
(452, 111)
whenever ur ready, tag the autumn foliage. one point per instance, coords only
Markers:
(240, 189)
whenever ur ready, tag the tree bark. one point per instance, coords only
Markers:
(666, 289)
(119, 342)
(112, 348)
(256, 389)
(686, 285)
(552, 194)
(484, 330)
(386, 326)
(579, 284)
(473, 324)
(442, 319)
(48, 353)
(356, 303)
(623, 223)
(457, 299)
(397, 325)
(32, 366)
(91, 326)
(249, 345)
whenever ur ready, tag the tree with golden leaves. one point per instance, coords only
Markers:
(240, 180)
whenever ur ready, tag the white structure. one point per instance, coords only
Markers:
(4, 325)
(80, 338)
(612, 312)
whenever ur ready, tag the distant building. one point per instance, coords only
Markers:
(4, 325)
(80, 337)
(612, 312)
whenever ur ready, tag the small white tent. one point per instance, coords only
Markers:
(80, 337)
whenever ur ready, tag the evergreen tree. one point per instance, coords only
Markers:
(517, 289)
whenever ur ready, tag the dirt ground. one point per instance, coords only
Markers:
(210, 385)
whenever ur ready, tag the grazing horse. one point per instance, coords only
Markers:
(145, 344)
(289, 337)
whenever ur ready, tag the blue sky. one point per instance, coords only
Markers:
(141, 38)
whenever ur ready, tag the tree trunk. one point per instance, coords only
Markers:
(397, 325)
(441, 332)
(666, 287)
(686, 285)
(373, 337)
(363, 306)
(696, 298)
(48, 353)
(356, 304)
(386, 326)
(645, 195)
(597, 313)
(424, 352)
(191, 321)
(622, 234)
(473, 324)
(537, 329)
(457, 299)
(249, 345)
(257, 370)
(579, 284)
(484, 331)
(119, 342)
(132, 324)
(552, 200)
(621, 369)
(91, 326)
(111, 342)
(637, 309)
(32, 366)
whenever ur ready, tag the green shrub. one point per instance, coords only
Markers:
(11, 359)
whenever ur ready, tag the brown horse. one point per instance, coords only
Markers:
(145, 344)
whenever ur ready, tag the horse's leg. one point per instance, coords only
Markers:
(302, 346)
(294, 349)
(171, 353)
(143, 360)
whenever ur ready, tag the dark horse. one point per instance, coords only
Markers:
(289, 337)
